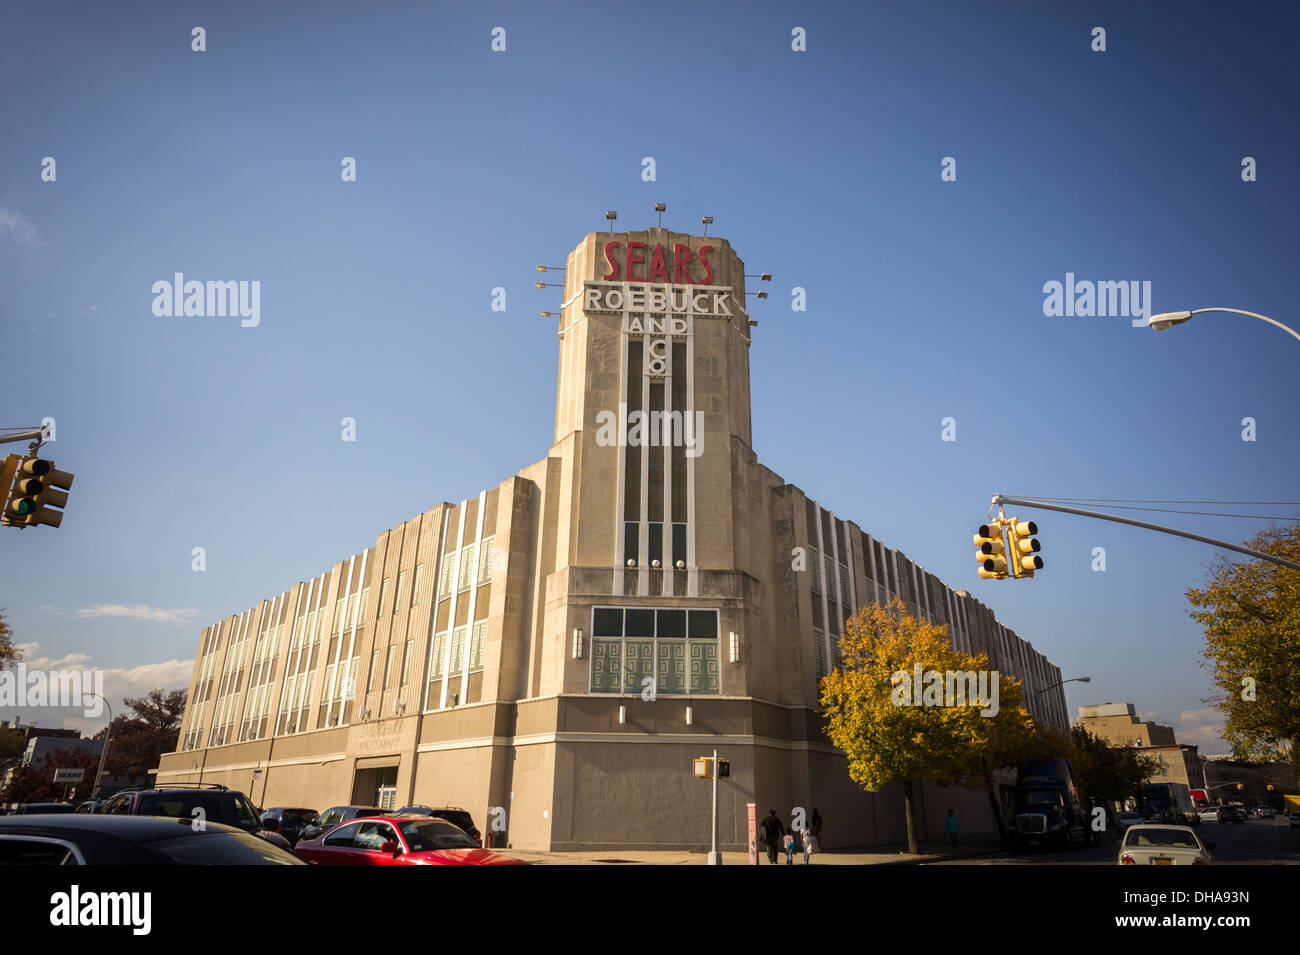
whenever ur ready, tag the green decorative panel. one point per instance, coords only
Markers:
(639, 664)
(704, 668)
(672, 666)
(606, 665)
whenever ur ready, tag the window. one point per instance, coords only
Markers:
(388, 668)
(457, 649)
(485, 561)
(679, 540)
(448, 575)
(439, 648)
(406, 661)
(342, 837)
(819, 649)
(476, 646)
(466, 567)
(374, 669)
(677, 648)
(415, 588)
(383, 594)
(401, 592)
(815, 565)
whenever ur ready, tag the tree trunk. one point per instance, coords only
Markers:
(910, 816)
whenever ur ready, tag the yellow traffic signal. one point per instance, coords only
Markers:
(1024, 548)
(990, 551)
(35, 492)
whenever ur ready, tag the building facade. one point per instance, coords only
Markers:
(552, 653)
(1117, 723)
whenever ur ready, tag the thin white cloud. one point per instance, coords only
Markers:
(16, 225)
(1203, 728)
(89, 310)
(119, 683)
(141, 612)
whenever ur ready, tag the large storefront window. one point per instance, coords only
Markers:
(677, 649)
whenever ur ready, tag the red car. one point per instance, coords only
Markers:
(395, 840)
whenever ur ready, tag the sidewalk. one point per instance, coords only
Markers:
(931, 851)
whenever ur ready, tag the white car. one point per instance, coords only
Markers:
(1163, 845)
(1127, 819)
(1208, 814)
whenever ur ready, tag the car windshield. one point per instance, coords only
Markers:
(233, 809)
(1164, 838)
(424, 835)
(1038, 800)
(222, 848)
(297, 817)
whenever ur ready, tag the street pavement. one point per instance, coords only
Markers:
(1255, 842)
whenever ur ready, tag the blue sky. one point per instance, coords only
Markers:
(924, 298)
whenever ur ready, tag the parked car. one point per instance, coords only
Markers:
(211, 803)
(32, 808)
(90, 805)
(1126, 819)
(94, 839)
(287, 822)
(1208, 813)
(1294, 818)
(336, 817)
(1265, 812)
(399, 840)
(1163, 845)
(459, 818)
(1231, 814)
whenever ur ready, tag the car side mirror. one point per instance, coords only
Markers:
(391, 847)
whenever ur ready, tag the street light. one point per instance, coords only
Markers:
(1169, 319)
(1077, 679)
(108, 732)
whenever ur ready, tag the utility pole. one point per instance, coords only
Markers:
(715, 857)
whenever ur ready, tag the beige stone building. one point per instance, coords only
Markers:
(1117, 723)
(552, 653)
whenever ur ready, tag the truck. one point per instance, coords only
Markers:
(1047, 807)
(1173, 801)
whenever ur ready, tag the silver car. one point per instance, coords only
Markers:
(1163, 845)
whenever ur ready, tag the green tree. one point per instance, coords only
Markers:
(887, 739)
(1250, 610)
(9, 654)
(141, 736)
(36, 783)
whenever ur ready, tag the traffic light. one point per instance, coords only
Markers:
(990, 551)
(724, 768)
(1024, 548)
(38, 492)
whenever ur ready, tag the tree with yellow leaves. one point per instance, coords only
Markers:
(904, 705)
(1250, 610)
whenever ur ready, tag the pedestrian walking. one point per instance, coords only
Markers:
(815, 824)
(810, 846)
(789, 847)
(770, 831)
(950, 826)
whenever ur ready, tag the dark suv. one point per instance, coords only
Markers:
(459, 818)
(287, 822)
(336, 816)
(209, 802)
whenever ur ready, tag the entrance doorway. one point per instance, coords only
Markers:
(376, 786)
